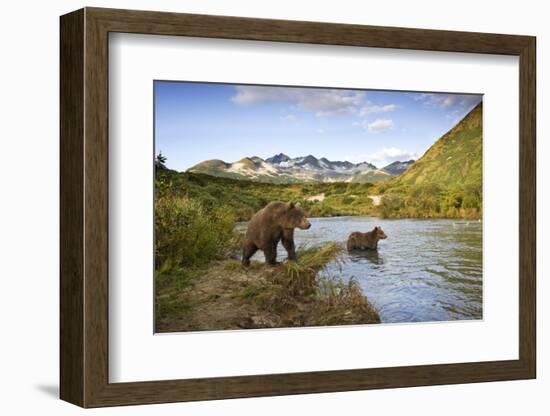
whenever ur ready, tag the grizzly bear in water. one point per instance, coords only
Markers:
(364, 241)
(273, 223)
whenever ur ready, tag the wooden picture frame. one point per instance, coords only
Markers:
(84, 207)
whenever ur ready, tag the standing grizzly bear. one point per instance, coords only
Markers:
(273, 223)
(364, 241)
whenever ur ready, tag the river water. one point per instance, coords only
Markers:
(426, 270)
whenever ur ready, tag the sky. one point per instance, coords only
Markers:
(195, 122)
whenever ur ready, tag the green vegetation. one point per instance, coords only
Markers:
(187, 234)
(444, 183)
(432, 201)
(244, 198)
(187, 238)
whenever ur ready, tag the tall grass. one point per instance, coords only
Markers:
(295, 289)
(341, 303)
(298, 276)
(187, 235)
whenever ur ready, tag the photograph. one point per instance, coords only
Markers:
(281, 206)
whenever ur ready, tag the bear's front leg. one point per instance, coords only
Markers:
(288, 243)
(270, 253)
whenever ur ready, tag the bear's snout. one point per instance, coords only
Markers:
(305, 224)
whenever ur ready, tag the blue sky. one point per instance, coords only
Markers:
(200, 121)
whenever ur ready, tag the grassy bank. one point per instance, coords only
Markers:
(430, 201)
(229, 296)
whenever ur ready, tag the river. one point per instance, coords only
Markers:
(426, 270)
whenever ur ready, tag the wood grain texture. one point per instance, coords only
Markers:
(96, 208)
(527, 207)
(84, 207)
(71, 213)
(226, 27)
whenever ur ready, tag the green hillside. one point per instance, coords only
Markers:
(210, 167)
(455, 159)
(446, 181)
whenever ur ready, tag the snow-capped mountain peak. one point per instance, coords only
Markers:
(281, 157)
(281, 168)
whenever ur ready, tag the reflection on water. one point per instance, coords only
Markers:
(426, 270)
(359, 256)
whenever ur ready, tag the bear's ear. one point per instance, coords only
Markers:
(291, 204)
(297, 204)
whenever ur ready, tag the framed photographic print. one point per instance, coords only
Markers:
(255, 207)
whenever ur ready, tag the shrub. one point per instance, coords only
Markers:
(187, 234)
(390, 205)
(320, 210)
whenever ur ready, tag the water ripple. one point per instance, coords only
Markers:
(426, 270)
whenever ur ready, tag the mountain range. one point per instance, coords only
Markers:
(281, 168)
(454, 160)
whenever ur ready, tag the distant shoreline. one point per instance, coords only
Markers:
(457, 220)
(320, 200)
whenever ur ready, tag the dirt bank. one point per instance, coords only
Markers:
(229, 296)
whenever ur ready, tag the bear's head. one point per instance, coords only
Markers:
(379, 233)
(295, 217)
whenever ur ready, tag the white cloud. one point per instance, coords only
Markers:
(420, 96)
(384, 156)
(380, 125)
(322, 102)
(289, 117)
(448, 101)
(373, 108)
(376, 126)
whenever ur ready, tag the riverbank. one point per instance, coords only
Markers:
(227, 295)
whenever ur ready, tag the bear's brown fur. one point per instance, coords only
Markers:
(364, 241)
(273, 223)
